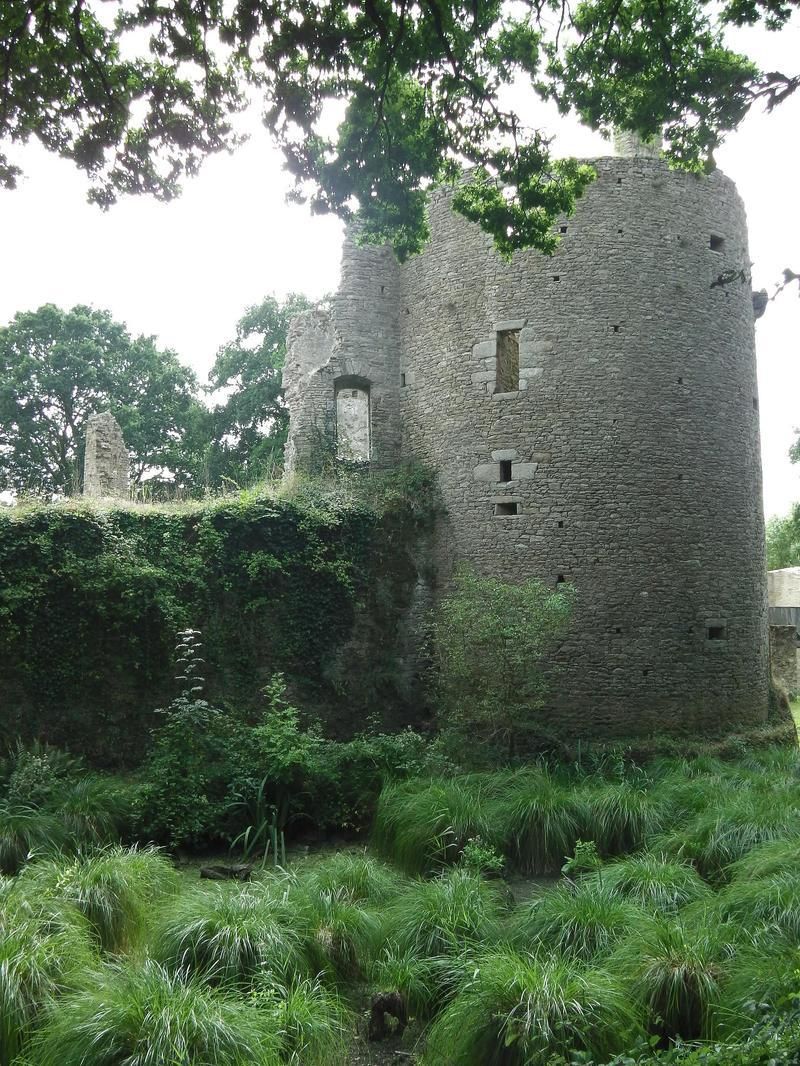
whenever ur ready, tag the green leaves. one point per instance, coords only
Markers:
(422, 86)
(58, 367)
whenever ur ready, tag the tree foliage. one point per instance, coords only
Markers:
(490, 643)
(783, 540)
(248, 428)
(137, 100)
(58, 367)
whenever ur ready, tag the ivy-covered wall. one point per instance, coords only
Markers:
(319, 584)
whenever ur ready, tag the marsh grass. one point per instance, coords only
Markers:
(537, 820)
(444, 916)
(676, 969)
(619, 817)
(227, 934)
(360, 877)
(654, 882)
(339, 934)
(521, 1010)
(580, 921)
(27, 833)
(313, 1024)
(114, 889)
(423, 983)
(422, 825)
(145, 1016)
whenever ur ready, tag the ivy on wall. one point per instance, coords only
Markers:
(314, 584)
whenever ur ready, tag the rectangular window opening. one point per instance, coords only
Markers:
(563, 229)
(716, 243)
(560, 579)
(506, 508)
(507, 376)
(716, 633)
(505, 470)
(402, 381)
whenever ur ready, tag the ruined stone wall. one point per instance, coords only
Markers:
(784, 587)
(626, 459)
(351, 347)
(106, 462)
(785, 656)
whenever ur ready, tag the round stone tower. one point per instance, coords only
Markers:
(593, 418)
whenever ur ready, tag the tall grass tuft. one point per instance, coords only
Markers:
(581, 921)
(42, 955)
(114, 889)
(619, 817)
(227, 934)
(312, 1022)
(27, 833)
(763, 905)
(537, 821)
(360, 877)
(444, 916)
(775, 857)
(523, 1010)
(676, 970)
(654, 882)
(423, 983)
(424, 824)
(339, 933)
(149, 1017)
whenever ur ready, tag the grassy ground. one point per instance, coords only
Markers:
(795, 705)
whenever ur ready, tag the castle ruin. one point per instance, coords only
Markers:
(106, 463)
(592, 418)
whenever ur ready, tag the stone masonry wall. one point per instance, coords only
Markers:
(785, 655)
(626, 460)
(106, 463)
(352, 345)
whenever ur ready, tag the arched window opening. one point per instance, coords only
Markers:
(352, 420)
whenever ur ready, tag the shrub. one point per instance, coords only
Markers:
(185, 794)
(114, 889)
(654, 882)
(229, 933)
(521, 1010)
(143, 1016)
(490, 641)
(580, 921)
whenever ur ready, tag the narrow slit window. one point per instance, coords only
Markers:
(505, 470)
(507, 377)
(403, 382)
(506, 508)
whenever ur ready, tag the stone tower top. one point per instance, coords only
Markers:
(105, 465)
(628, 144)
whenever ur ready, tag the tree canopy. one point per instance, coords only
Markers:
(137, 92)
(58, 367)
(248, 427)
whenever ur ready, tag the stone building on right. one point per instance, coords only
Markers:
(592, 418)
(784, 626)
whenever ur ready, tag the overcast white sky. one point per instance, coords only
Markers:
(185, 271)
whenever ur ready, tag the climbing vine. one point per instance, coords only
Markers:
(311, 583)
